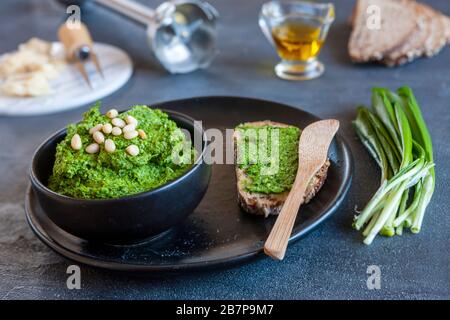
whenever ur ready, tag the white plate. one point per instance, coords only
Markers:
(70, 90)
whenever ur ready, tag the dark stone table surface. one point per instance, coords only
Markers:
(331, 262)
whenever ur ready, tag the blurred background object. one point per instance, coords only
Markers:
(79, 48)
(181, 33)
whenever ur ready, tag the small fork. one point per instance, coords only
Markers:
(78, 44)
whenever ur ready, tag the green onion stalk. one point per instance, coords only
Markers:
(395, 134)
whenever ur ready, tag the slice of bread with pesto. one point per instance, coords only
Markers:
(266, 159)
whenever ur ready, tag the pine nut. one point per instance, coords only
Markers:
(142, 134)
(129, 127)
(116, 131)
(75, 142)
(110, 146)
(131, 120)
(112, 113)
(107, 128)
(95, 128)
(92, 148)
(98, 137)
(130, 135)
(132, 150)
(118, 122)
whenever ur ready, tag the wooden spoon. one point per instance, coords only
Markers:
(312, 154)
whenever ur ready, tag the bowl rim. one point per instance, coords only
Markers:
(36, 182)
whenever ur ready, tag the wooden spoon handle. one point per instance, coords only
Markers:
(313, 148)
(276, 243)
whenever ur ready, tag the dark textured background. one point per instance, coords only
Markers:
(329, 263)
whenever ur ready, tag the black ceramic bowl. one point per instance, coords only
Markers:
(127, 219)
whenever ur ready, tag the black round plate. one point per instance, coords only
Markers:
(218, 232)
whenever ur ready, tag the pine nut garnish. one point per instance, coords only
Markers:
(107, 128)
(130, 135)
(110, 146)
(92, 148)
(116, 131)
(142, 134)
(132, 150)
(98, 137)
(131, 120)
(129, 127)
(95, 128)
(75, 142)
(112, 113)
(118, 122)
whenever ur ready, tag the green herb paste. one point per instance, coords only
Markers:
(267, 171)
(104, 175)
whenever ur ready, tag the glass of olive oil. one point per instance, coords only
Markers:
(297, 30)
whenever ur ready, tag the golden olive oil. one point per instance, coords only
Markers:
(297, 41)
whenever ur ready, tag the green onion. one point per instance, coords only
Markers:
(395, 134)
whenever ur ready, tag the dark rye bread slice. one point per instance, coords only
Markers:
(372, 44)
(439, 37)
(414, 46)
(430, 37)
(447, 29)
(270, 204)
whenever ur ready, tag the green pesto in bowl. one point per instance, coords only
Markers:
(164, 155)
(266, 171)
